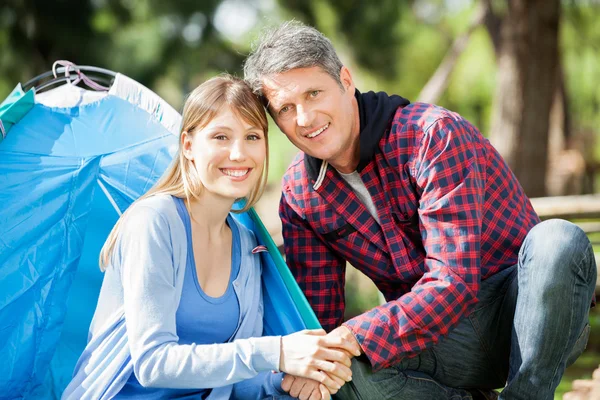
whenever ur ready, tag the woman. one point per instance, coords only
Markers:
(180, 309)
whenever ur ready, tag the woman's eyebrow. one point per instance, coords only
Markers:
(219, 127)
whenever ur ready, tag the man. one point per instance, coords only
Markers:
(418, 200)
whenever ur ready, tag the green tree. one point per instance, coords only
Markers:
(146, 39)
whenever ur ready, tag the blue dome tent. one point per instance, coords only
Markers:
(71, 161)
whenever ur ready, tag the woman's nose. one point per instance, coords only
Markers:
(238, 151)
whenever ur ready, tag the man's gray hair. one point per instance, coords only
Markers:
(289, 46)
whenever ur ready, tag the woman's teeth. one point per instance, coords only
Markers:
(235, 172)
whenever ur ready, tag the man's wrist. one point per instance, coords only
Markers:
(352, 337)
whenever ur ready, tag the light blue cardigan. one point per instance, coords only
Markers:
(133, 328)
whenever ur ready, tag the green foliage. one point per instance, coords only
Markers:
(368, 28)
(473, 81)
(392, 45)
(281, 152)
(146, 39)
(580, 45)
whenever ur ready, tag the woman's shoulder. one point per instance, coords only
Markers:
(158, 209)
(158, 202)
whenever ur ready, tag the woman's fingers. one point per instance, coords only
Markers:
(339, 380)
(325, 379)
(335, 355)
(335, 369)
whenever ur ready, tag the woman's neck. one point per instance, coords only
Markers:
(210, 215)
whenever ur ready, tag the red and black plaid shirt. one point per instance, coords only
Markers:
(451, 214)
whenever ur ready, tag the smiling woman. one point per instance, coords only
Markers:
(180, 312)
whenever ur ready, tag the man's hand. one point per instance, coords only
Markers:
(305, 389)
(343, 335)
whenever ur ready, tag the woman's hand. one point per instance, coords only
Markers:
(314, 355)
(305, 389)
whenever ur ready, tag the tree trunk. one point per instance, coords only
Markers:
(527, 67)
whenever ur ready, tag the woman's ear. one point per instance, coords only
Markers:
(186, 145)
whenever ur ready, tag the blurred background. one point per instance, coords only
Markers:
(526, 72)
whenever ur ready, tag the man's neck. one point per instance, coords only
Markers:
(348, 163)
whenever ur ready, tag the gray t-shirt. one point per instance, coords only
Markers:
(361, 191)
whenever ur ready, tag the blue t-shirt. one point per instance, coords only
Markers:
(200, 318)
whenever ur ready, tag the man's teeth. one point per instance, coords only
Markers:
(317, 133)
(235, 172)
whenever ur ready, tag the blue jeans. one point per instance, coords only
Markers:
(530, 323)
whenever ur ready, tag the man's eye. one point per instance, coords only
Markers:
(314, 93)
(284, 110)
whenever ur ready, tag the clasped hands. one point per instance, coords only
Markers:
(317, 364)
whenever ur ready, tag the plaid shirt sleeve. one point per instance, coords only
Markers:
(318, 271)
(447, 168)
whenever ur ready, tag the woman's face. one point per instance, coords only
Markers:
(228, 153)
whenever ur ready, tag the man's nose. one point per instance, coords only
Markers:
(303, 116)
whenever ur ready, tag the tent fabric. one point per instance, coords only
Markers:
(71, 165)
(68, 96)
(13, 108)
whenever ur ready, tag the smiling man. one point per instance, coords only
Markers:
(416, 198)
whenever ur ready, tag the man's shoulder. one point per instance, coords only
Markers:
(296, 172)
(297, 190)
(422, 115)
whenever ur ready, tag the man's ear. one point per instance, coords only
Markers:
(346, 79)
(186, 145)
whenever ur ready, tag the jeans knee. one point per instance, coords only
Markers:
(561, 244)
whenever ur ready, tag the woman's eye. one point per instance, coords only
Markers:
(253, 137)
(221, 137)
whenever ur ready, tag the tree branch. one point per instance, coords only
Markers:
(438, 82)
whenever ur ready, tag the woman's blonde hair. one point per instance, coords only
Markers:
(202, 105)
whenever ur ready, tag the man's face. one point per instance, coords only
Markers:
(316, 114)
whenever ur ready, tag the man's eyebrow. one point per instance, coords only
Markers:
(311, 89)
(270, 104)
